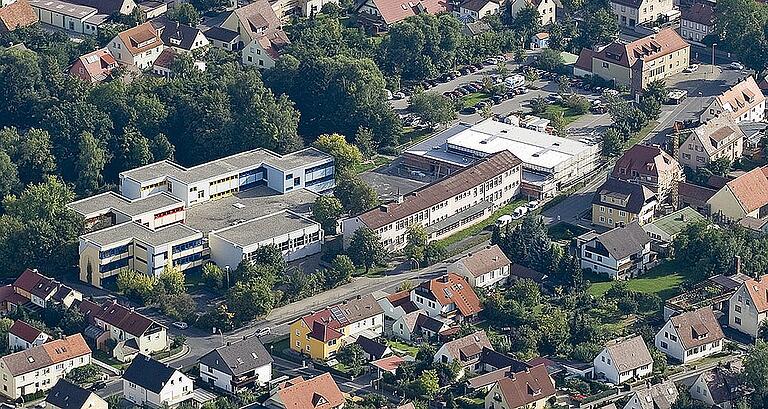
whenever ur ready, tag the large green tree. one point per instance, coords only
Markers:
(365, 249)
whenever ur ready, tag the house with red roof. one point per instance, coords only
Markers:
(131, 332)
(748, 306)
(323, 333)
(530, 388)
(449, 296)
(743, 197)
(377, 16)
(320, 392)
(95, 66)
(23, 336)
(15, 15)
(40, 291)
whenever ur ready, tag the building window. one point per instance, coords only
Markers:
(737, 320)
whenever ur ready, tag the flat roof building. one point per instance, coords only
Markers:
(222, 210)
(550, 162)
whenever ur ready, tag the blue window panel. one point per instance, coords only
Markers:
(117, 264)
(113, 252)
(186, 246)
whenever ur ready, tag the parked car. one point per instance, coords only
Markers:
(692, 68)
(519, 212)
(264, 331)
(398, 95)
(736, 65)
(503, 220)
(533, 205)
(468, 111)
(598, 109)
(180, 325)
(497, 99)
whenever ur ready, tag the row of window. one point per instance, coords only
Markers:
(113, 252)
(186, 246)
(169, 212)
(188, 259)
(114, 265)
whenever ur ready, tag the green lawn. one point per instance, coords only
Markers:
(477, 228)
(565, 231)
(568, 114)
(375, 163)
(412, 136)
(403, 347)
(641, 135)
(663, 280)
(473, 98)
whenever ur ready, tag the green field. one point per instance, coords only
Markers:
(663, 280)
(568, 114)
(480, 226)
(375, 163)
(473, 98)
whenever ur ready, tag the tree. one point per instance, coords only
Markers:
(613, 142)
(5, 325)
(578, 103)
(30, 152)
(172, 280)
(9, 175)
(428, 384)
(346, 156)
(721, 166)
(355, 195)
(353, 357)
(755, 373)
(327, 210)
(184, 13)
(600, 27)
(214, 276)
(250, 299)
(84, 374)
(538, 105)
(416, 242)
(434, 252)
(90, 164)
(135, 285)
(364, 140)
(365, 249)
(659, 361)
(740, 24)
(650, 106)
(557, 121)
(340, 272)
(433, 108)
(527, 22)
(550, 60)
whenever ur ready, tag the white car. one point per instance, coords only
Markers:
(264, 331)
(533, 205)
(519, 212)
(692, 68)
(736, 65)
(180, 325)
(503, 220)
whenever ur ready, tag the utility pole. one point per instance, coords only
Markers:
(713, 57)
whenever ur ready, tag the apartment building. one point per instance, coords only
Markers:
(744, 102)
(547, 9)
(620, 253)
(618, 203)
(631, 13)
(321, 334)
(446, 206)
(167, 214)
(691, 336)
(550, 163)
(638, 63)
(652, 167)
(69, 17)
(719, 137)
(130, 332)
(39, 368)
(697, 21)
(137, 46)
(237, 366)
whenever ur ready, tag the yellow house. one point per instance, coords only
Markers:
(321, 334)
(618, 203)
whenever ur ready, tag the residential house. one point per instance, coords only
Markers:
(714, 292)
(744, 101)
(691, 336)
(377, 16)
(697, 21)
(147, 382)
(373, 349)
(456, 202)
(466, 351)
(180, 37)
(756, 226)
(484, 268)
(618, 203)
(67, 395)
(312, 7)
(24, 336)
(661, 395)
(15, 15)
(507, 367)
(652, 167)
(69, 17)
(718, 138)
(397, 304)
(109, 7)
(389, 364)
(621, 253)
(266, 49)
(547, 9)
(237, 366)
(131, 332)
(223, 38)
(748, 306)
(540, 40)
(44, 292)
(631, 13)
(694, 196)
(521, 272)
(137, 46)
(163, 65)
(320, 392)
(531, 388)
(622, 360)
(638, 63)
(474, 10)
(419, 325)
(719, 387)
(745, 196)
(321, 334)
(95, 66)
(448, 296)
(261, 33)
(663, 230)
(38, 368)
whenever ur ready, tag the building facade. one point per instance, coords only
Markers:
(691, 336)
(748, 306)
(697, 22)
(138, 46)
(618, 203)
(744, 102)
(237, 366)
(652, 167)
(622, 360)
(718, 138)
(631, 13)
(620, 253)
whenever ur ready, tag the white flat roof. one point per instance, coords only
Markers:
(532, 147)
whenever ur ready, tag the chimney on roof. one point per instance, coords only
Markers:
(229, 343)
(384, 208)
(737, 264)
(400, 198)
(443, 279)
(359, 296)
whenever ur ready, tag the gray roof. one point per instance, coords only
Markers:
(239, 357)
(113, 201)
(239, 162)
(629, 354)
(69, 9)
(131, 230)
(148, 373)
(172, 30)
(221, 34)
(67, 395)
(659, 396)
(635, 194)
(622, 242)
(256, 202)
(254, 231)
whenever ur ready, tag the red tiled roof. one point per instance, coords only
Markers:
(644, 160)
(117, 316)
(751, 189)
(646, 49)
(320, 392)
(140, 38)
(699, 193)
(584, 62)
(35, 283)
(24, 331)
(452, 289)
(402, 299)
(165, 59)
(97, 65)
(742, 97)
(15, 15)
(394, 11)
(701, 13)
(697, 327)
(525, 387)
(389, 364)
(758, 291)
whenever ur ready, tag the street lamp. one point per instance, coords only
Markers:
(226, 268)
(713, 57)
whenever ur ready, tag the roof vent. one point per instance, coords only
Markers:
(238, 205)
